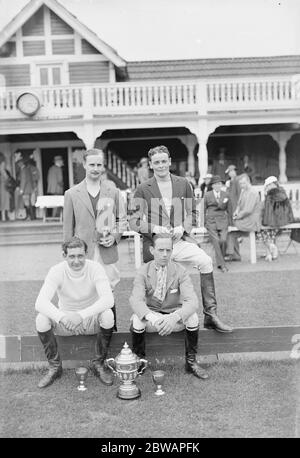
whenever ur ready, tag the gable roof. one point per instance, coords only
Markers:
(31, 8)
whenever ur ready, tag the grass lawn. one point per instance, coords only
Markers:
(241, 399)
(268, 298)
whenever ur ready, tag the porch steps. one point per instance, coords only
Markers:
(30, 233)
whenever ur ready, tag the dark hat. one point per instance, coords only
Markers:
(57, 158)
(216, 179)
(229, 168)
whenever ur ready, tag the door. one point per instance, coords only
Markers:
(47, 156)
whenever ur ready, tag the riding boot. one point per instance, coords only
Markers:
(139, 346)
(211, 321)
(98, 365)
(51, 351)
(191, 346)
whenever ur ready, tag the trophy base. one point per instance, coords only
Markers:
(129, 394)
(159, 392)
(81, 388)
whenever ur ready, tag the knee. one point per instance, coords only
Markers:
(192, 322)
(205, 264)
(106, 319)
(137, 324)
(42, 323)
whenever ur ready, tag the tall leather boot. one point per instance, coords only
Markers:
(211, 321)
(51, 351)
(191, 347)
(98, 366)
(138, 340)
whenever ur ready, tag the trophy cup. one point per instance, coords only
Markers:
(126, 367)
(158, 378)
(81, 374)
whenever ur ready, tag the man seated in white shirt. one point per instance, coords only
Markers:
(84, 308)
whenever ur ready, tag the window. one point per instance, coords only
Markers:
(50, 75)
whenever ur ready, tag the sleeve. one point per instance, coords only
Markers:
(188, 296)
(138, 221)
(190, 219)
(120, 215)
(68, 217)
(137, 299)
(43, 303)
(251, 203)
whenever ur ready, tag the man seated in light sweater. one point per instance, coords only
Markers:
(84, 307)
(164, 301)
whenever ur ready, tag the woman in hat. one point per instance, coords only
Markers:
(277, 212)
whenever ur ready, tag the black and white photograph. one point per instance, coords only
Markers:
(149, 223)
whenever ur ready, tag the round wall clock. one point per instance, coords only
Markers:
(28, 103)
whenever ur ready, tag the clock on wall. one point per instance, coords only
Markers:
(28, 103)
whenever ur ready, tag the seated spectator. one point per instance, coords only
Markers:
(246, 216)
(84, 307)
(277, 211)
(216, 205)
(163, 300)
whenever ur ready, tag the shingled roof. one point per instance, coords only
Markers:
(210, 68)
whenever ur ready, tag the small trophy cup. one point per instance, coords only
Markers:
(158, 378)
(81, 374)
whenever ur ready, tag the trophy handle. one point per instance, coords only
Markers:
(145, 366)
(111, 368)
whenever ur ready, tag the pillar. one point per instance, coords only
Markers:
(86, 134)
(202, 135)
(190, 141)
(282, 138)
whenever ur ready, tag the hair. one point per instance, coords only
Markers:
(244, 175)
(74, 242)
(161, 236)
(93, 152)
(158, 150)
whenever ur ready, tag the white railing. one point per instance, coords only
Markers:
(292, 190)
(253, 93)
(157, 97)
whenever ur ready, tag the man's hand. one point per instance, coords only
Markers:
(108, 241)
(71, 320)
(177, 233)
(167, 324)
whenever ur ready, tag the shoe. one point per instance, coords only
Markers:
(274, 251)
(268, 257)
(52, 374)
(231, 258)
(102, 372)
(223, 269)
(49, 343)
(213, 322)
(195, 369)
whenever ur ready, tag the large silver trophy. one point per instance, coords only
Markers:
(126, 367)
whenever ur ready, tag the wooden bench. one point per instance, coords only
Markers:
(45, 202)
(203, 231)
(253, 258)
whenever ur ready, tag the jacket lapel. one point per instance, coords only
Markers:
(154, 189)
(84, 197)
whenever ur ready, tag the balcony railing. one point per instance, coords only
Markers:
(89, 101)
